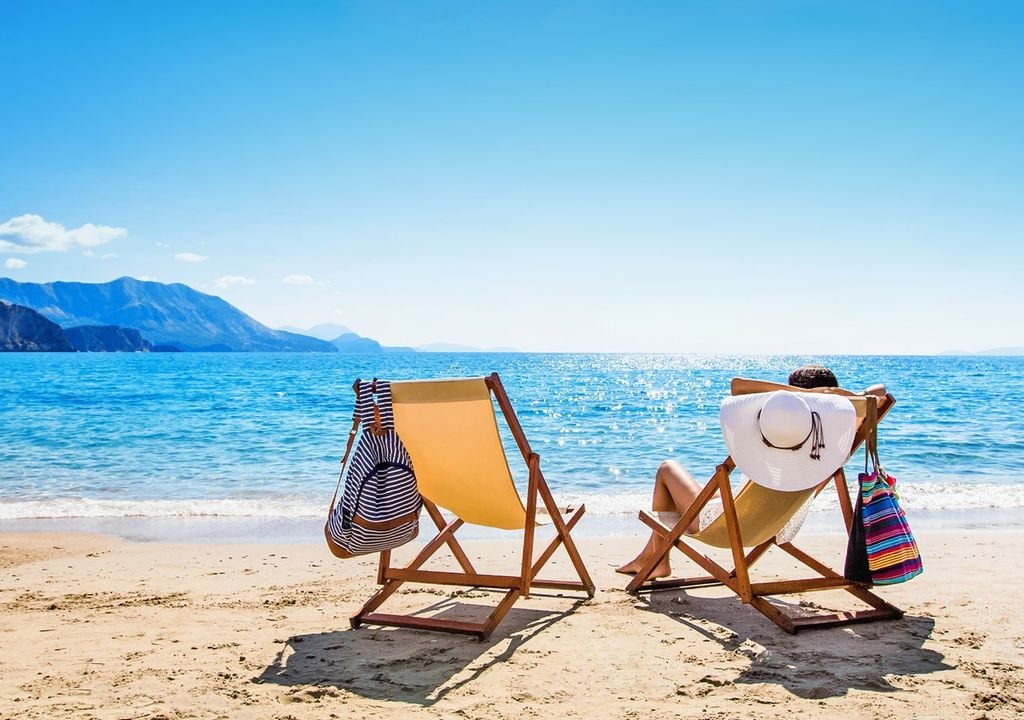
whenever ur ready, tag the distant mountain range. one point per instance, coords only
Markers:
(141, 316)
(348, 341)
(173, 315)
(1003, 351)
(454, 347)
(344, 339)
(323, 331)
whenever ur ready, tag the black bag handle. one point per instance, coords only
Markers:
(871, 436)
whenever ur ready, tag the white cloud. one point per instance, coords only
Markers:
(232, 280)
(146, 278)
(14, 264)
(190, 257)
(32, 234)
(298, 280)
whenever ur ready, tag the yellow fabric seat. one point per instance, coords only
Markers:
(451, 432)
(762, 513)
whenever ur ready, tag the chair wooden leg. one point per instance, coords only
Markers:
(771, 612)
(375, 601)
(536, 476)
(564, 537)
(526, 568)
(499, 613)
(557, 541)
(453, 544)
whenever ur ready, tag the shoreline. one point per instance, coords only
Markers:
(288, 530)
(249, 631)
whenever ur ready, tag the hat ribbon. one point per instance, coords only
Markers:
(816, 434)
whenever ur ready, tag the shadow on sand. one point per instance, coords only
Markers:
(813, 664)
(412, 666)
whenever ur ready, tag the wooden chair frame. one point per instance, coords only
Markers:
(738, 579)
(514, 586)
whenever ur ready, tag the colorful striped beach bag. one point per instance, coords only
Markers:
(380, 506)
(882, 550)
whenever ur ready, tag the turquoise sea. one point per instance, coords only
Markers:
(174, 443)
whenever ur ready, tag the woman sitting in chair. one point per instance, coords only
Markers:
(675, 489)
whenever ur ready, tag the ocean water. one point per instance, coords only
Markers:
(163, 436)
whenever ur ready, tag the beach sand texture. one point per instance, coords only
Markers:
(95, 627)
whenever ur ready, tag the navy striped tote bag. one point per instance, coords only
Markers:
(380, 506)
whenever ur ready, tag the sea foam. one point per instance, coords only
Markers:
(929, 497)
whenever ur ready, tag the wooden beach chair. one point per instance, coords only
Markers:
(451, 431)
(752, 519)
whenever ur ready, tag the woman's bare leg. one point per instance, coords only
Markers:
(674, 491)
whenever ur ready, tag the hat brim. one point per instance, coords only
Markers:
(788, 470)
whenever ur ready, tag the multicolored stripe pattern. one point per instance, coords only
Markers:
(893, 556)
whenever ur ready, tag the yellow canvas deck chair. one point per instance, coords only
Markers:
(451, 431)
(753, 518)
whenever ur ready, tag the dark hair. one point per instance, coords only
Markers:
(813, 376)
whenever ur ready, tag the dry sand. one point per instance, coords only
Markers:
(95, 627)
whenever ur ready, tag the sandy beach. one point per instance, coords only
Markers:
(97, 627)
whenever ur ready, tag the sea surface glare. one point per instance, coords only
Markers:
(111, 435)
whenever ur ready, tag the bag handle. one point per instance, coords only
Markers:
(377, 428)
(871, 436)
(871, 444)
(348, 447)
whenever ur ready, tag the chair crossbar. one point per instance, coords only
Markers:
(418, 623)
(785, 587)
(843, 618)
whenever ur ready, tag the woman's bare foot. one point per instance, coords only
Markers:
(630, 568)
(662, 569)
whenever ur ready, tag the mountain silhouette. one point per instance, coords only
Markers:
(174, 314)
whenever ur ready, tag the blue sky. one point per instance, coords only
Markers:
(806, 177)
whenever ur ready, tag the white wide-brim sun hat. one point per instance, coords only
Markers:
(788, 440)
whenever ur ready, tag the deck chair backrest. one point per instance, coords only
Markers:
(745, 386)
(451, 432)
(763, 512)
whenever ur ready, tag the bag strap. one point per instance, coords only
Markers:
(348, 447)
(871, 436)
(377, 428)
